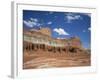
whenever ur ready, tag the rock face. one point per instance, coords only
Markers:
(75, 41)
(43, 36)
(45, 31)
(41, 51)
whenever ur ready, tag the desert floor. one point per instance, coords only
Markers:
(40, 59)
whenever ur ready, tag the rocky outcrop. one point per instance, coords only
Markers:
(43, 51)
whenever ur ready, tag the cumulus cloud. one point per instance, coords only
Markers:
(34, 19)
(49, 22)
(60, 31)
(28, 23)
(32, 22)
(71, 17)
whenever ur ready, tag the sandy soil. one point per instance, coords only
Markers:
(39, 59)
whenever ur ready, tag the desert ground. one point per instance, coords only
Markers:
(45, 59)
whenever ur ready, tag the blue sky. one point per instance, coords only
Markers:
(62, 24)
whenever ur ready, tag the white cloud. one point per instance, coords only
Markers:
(71, 17)
(84, 30)
(34, 19)
(49, 22)
(60, 31)
(60, 38)
(89, 29)
(28, 23)
(87, 14)
(32, 22)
